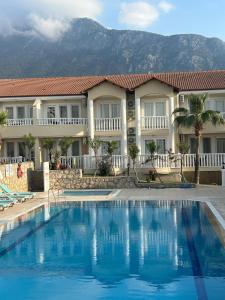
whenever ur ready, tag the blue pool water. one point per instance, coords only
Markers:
(87, 193)
(113, 250)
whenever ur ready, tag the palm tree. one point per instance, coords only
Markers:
(95, 145)
(48, 144)
(195, 117)
(133, 153)
(112, 146)
(29, 141)
(64, 144)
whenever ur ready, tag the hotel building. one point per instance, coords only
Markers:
(126, 108)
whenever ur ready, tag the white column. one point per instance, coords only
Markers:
(171, 124)
(91, 122)
(37, 110)
(124, 126)
(138, 122)
(37, 153)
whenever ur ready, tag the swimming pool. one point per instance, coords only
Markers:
(113, 250)
(87, 193)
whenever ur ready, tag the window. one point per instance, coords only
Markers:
(149, 110)
(160, 144)
(154, 109)
(220, 144)
(76, 148)
(104, 148)
(104, 110)
(192, 145)
(159, 109)
(51, 112)
(219, 105)
(115, 108)
(108, 110)
(20, 112)
(75, 111)
(63, 111)
(206, 145)
(30, 111)
(21, 149)
(10, 149)
(9, 111)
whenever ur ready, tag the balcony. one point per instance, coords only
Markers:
(107, 124)
(155, 122)
(19, 122)
(62, 121)
(46, 121)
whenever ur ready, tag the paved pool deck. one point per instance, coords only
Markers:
(212, 194)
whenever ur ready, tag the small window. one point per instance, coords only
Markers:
(192, 145)
(20, 112)
(220, 143)
(159, 109)
(148, 109)
(9, 111)
(30, 111)
(115, 110)
(104, 110)
(10, 149)
(206, 145)
(76, 148)
(219, 105)
(75, 111)
(51, 112)
(21, 149)
(63, 111)
(161, 146)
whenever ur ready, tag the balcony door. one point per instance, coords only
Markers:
(20, 112)
(154, 109)
(109, 110)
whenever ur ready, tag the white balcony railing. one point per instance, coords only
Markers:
(19, 122)
(211, 160)
(11, 160)
(62, 121)
(155, 122)
(107, 124)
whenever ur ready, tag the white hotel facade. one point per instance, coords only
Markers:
(127, 108)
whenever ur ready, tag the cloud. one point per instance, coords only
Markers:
(166, 6)
(52, 29)
(48, 18)
(138, 14)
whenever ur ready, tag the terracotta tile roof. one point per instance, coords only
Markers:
(182, 81)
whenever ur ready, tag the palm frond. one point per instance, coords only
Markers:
(180, 120)
(181, 110)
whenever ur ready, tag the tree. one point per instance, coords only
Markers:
(64, 144)
(183, 150)
(29, 141)
(195, 117)
(133, 152)
(95, 145)
(49, 144)
(153, 149)
(112, 146)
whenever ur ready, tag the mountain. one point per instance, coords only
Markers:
(88, 48)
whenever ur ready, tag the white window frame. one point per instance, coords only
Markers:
(154, 138)
(154, 101)
(110, 102)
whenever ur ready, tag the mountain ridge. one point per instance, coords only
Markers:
(88, 48)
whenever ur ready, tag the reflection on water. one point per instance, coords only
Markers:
(112, 250)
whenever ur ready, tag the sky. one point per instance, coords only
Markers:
(51, 18)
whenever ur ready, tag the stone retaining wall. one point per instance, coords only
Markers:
(8, 176)
(72, 179)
